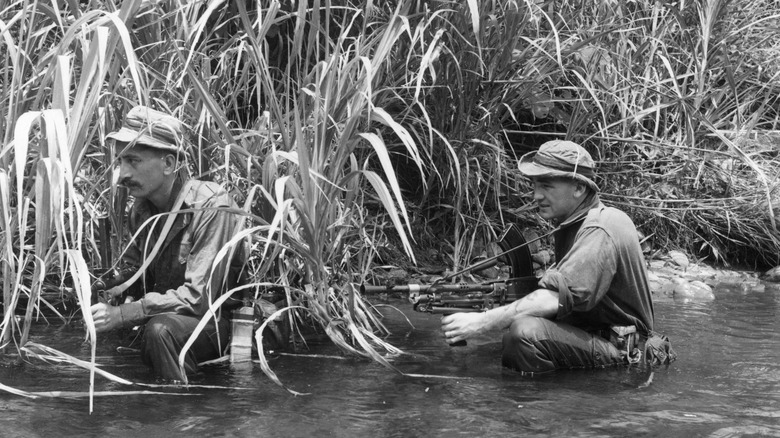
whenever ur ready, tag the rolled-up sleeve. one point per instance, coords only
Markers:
(583, 277)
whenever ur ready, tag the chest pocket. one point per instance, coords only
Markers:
(185, 247)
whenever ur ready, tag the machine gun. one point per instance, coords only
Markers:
(443, 298)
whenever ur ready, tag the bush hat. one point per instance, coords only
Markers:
(560, 158)
(152, 128)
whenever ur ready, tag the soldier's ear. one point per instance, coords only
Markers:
(580, 189)
(170, 164)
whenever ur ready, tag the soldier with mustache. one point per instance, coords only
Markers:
(183, 277)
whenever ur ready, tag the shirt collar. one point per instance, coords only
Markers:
(591, 201)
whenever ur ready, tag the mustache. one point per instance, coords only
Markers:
(126, 182)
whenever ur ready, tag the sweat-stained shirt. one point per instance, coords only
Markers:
(601, 276)
(177, 280)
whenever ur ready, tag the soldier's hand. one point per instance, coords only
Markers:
(461, 326)
(106, 317)
(113, 295)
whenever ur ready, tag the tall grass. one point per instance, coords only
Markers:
(344, 128)
(679, 93)
(51, 107)
(312, 148)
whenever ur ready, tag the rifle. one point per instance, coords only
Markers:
(109, 229)
(109, 279)
(443, 299)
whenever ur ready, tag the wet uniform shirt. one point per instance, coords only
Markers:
(601, 276)
(177, 280)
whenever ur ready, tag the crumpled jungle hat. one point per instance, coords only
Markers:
(560, 158)
(152, 128)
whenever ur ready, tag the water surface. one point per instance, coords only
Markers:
(725, 383)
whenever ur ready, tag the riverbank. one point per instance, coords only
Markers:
(674, 277)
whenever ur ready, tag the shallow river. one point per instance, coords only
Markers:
(725, 383)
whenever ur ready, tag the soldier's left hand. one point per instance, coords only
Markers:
(106, 317)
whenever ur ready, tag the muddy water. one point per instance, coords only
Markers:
(726, 383)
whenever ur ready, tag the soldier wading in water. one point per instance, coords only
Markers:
(594, 308)
(182, 280)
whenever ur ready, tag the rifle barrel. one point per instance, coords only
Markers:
(438, 310)
(429, 288)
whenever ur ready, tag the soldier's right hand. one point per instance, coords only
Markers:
(114, 296)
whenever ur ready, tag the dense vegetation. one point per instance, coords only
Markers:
(348, 129)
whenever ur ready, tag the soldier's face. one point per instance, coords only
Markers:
(143, 171)
(557, 198)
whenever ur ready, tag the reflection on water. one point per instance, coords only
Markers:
(725, 383)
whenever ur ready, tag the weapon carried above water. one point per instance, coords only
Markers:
(446, 298)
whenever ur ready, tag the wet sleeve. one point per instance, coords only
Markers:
(211, 230)
(584, 275)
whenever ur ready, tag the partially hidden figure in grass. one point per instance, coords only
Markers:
(594, 308)
(182, 279)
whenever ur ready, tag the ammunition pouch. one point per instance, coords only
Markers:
(635, 348)
(628, 342)
(658, 350)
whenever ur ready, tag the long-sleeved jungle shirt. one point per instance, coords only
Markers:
(178, 279)
(601, 276)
